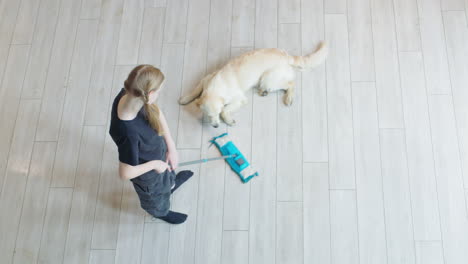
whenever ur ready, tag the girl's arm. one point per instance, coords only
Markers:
(128, 172)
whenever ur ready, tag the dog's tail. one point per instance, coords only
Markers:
(310, 60)
(194, 94)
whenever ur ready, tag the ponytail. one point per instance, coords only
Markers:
(153, 115)
(140, 82)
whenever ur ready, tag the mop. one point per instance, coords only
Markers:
(232, 155)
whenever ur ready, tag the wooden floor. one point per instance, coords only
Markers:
(369, 165)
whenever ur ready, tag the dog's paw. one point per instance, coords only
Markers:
(231, 122)
(262, 92)
(183, 101)
(288, 100)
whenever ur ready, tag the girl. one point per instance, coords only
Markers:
(147, 151)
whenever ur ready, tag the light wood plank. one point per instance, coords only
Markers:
(25, 22)
(8, 13)
(155, 243)
(243, 19)
(316, 214)
(451, 5)
(398, 218)
(132, 219)
(262, 244)
(172, 66)
(209, 227)
(152, 36)
(108, 207)
(340, 127)
(12, 196)
(386, 65)
(55, 228)
(236, 193)
(84, 196)
(10, 101)
(407, 25)
(289, 136)
(433, 47)
(361, 47)
(176, 21)
(335, 7)
(262, 226)
(369, 194)
(185, 199)
(314, 90)
(289, 11)
(466, 9)
(452, 204)
(196, 48)
(91, 9)
(219, 40)
(289, 232)
(35, 201)
(456, 33)
(106, 219)
(103, 65)
(235, 247)
(155, 3)
(421, 173)
(74, 107)
(130, 32)
(429, 252)
(209, 224)
(343, 222)
(102, 257)
(466, 199)
(58, 72)
(266, 24)
(41, 49)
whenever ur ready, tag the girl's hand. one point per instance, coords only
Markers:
(160, 166)
(172, 159)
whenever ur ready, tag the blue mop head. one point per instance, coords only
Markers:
(238, 162)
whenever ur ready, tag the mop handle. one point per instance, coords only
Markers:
(205, 160)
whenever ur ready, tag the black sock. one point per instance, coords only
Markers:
(181, 177)
(174, 217)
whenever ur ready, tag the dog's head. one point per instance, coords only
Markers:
(211, 107)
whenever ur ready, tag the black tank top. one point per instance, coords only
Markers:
(136, 140)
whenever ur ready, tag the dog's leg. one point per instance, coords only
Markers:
(230, 108)
(262, 91)
(266, 81)
(289, 95)
(275, 79)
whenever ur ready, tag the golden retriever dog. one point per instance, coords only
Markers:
(222, 92)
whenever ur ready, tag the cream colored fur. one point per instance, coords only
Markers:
(223, 91)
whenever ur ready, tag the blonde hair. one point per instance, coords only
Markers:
(140, 82)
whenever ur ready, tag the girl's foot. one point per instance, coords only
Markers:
(174, 217)
(181, 177)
